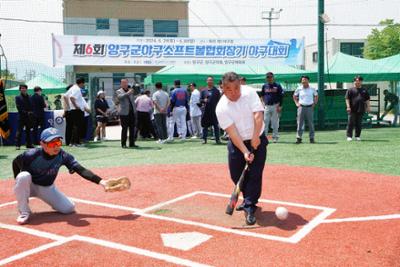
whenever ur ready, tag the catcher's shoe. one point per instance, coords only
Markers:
(23, 218)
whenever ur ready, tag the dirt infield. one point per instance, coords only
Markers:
(337, 218)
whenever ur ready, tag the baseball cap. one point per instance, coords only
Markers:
(50, 134)
(269, 74)
(100, 92)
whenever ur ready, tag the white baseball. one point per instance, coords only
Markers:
(281, 213)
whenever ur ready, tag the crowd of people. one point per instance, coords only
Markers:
(244, 114)
(182, 111)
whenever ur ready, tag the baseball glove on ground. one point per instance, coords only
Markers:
(117, 184)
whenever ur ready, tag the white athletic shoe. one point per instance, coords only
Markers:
(96, 139)
(23, 218)
(349, 139)
(358, 138)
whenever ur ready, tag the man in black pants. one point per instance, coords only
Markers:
(241, 114)
(38, 105)
(25, 113)
(127, 113)
(77, 106)
(357, 102)
(209, 98)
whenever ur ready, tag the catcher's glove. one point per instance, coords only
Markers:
(116, 184)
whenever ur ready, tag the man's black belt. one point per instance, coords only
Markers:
(306, 106)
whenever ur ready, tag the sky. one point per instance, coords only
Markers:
(32, 41)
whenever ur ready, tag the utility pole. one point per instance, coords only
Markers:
(270, 15)
(322, 19)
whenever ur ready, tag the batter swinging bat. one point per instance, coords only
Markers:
(236, 191)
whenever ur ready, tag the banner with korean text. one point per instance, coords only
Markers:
(155, 51)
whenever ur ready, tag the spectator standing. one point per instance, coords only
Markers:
(161, 103)
(101, 107)
(25, 117)
(144, 108)
(77, 106)
(127, 113)
(357, 103)
(195, 111)
(179, 102)
(209, 99)
(272, 97)
(38, 105)
(305, 98)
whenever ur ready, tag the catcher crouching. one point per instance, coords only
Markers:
(36, 169)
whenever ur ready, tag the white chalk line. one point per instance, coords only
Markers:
(8, 204)
(31, 231)
(363, 219)
(295, 238)
(60, 240)
(294, 204)
(311, 225)
(140, 251)
(161, 204)
(34, 251)
(104, 204)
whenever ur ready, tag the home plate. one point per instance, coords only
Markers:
(184, 241)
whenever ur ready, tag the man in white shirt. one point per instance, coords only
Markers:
(161, 103)
(195, 111)
(77, 106)
(305, 98)
(240, 114)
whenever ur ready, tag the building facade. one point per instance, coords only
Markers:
(143, 18)
(353, 47)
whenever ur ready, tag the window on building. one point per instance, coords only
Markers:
(102, 24)
(165, 28)
(353, 49)
(131, 27)
(315, 57)
(139, 77)
(117, 77)
(85, 76)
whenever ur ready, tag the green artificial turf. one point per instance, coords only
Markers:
(378, 152)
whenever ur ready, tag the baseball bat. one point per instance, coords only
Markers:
(236, 191)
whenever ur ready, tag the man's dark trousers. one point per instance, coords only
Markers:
(354, 121)
(24, 121)
(161, 123)
(252, 184)
(78, 120)
(216, 132)
(128, 122)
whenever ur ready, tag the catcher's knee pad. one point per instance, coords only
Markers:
(23, 177)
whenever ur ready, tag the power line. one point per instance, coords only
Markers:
(205, 25)
(202, 21)
(229, 19)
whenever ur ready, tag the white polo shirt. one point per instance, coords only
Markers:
(241, 112)
(75, 92)
(306, 95)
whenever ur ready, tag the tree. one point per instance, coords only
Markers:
(7, 74)
(384, 43)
